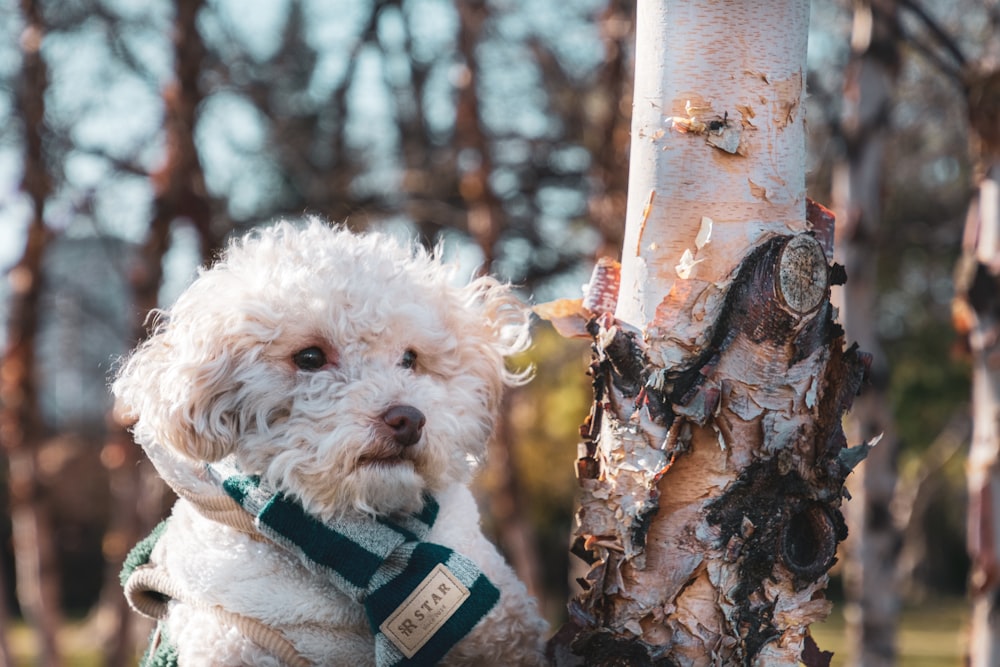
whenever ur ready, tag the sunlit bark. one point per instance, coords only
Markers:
(714, 459)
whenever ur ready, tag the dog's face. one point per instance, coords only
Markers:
(345, 370)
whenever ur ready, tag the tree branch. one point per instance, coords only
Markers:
(942, 36)
(950, 71)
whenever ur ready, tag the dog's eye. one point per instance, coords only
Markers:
(310, 359)
(409, 359)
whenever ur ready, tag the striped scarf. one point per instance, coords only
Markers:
(421, 598)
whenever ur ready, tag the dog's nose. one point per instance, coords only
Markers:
(405, 424)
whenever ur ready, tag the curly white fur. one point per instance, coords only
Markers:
(219, 377)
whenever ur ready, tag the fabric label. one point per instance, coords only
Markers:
(427, 608)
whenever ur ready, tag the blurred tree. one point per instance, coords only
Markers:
(608, 141)
(21, 427)
(179, 195)
(871, 578)
(418, 112)
(485, 221)
(715, 458)
(600, 116)
(977, 316)
(925, 185)
(926, 36)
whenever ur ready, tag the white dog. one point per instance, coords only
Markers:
(348, 373)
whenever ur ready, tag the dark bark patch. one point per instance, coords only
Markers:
(809, 541)
(602, 649)
(619, 355)
(812, 656)
(845, 376)
(790, 526)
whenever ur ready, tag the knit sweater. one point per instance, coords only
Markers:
(420, 598)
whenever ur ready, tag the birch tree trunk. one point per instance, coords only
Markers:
(713, 461)
(870, 569)
(977, 314)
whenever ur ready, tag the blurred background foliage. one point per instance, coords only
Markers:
(497, 128)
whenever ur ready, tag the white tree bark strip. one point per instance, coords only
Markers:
(734, 68)
(978, 315)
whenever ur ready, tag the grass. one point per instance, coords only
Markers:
(75, 640)
(931, 635)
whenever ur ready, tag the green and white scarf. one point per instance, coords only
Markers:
(421, 598)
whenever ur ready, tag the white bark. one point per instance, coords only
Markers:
(980, 295)
(741, 62)
(976, 314)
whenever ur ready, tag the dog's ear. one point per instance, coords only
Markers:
(179, 392)
(506, 332)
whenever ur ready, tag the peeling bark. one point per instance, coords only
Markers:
(713, 507)
(713, 461)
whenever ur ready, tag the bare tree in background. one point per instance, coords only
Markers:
(599, 118)
(714, 459)
(485, 221)
(179, 195)
(871, 579)
(609, 136)
(21, 429)
(977, 315)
